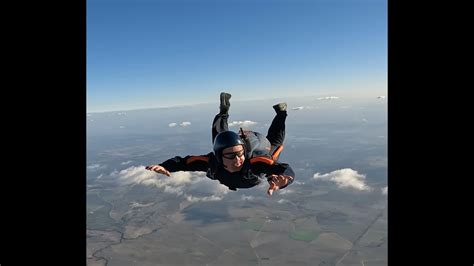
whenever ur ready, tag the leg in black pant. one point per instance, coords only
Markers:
(276, 132)
(219, 125)
(220, 120)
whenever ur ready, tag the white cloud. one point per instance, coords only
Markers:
(345, 107)
(245, 197)
(179, 178)
(121, 126)
(95, 167)
(385, 190)
(193, 186)
(134, 174)
(328, 98)
(121, 113)
(298, 108)
(245, 123)
(381, 97)
(345, 178)
(174, 190)
(185, 124)
(191, 198)
(124, 163)
(88, 115)
(172, 124)
(285, 191)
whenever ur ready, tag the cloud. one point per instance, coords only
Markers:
(344, 178)
(124, 163)
(95, 167)
(285, 191)
(303, 107)
(193, 186)
(121, 126)
(328, 98)
(245, 197)
(381, 97)
(245, 123)
(182, 124)
(121, 113)
(385, 190)
(191, 198)
(281, 201)
(134, 174)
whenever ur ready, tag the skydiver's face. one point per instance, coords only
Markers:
(233, 158)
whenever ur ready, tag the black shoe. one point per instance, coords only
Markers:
(280, 107)
(225, 104)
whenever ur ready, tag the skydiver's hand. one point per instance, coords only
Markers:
(276, 182)
(158, 168)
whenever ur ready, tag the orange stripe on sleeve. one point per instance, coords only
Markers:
(197, 158)
(262, 159)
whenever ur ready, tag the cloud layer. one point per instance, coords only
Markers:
(182, 124)
(245, 123)
(344, 178)
(328, 98)
(193, 186)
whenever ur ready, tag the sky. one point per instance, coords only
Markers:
(157, 53)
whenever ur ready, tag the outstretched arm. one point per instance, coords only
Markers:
(188, 163)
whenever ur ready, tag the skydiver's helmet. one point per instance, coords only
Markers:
(224, 140)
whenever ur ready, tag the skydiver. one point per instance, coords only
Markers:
(239, 160)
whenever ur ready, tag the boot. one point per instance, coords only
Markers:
(280, 107)
(225, 104)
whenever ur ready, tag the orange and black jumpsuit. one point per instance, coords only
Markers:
(253, 170)
(250, 175)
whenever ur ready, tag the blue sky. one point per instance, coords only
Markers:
(155, 53)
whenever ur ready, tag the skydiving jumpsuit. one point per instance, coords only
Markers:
(253, 170)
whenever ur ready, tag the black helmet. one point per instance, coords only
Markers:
(224, 140)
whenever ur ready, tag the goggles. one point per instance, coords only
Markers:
(232, 155)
